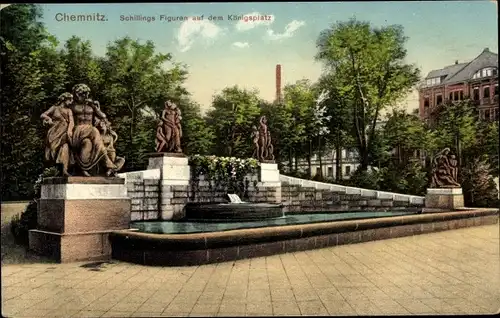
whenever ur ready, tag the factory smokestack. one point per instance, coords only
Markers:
(279, 97)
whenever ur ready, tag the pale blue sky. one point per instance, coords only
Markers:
(223, 53)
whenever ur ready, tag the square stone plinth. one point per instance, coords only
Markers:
(174, 167)
(75, 215)
(444, 198)
(269, 173)
(65, 248)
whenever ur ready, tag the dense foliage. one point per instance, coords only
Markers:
(365, 75)
(224, 173)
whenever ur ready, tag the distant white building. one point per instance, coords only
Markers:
(349, 164)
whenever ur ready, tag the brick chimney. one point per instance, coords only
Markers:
(279, 97)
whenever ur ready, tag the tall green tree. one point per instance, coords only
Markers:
(339, 122)
(456, 125)
(234, 112)
(82, 65)
(23, 41)
(487, 143)
(406, 134)
(369, 63)
(299, 101)
(136, 82)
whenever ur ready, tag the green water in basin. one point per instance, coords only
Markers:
(183, 227)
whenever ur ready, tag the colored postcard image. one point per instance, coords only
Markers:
(230, 159)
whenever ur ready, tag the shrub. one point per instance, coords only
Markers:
(478, 184)
(411, 178)
(20, 225)
(369, 179)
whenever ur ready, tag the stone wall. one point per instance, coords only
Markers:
(145, 194)
(297, 199)
(175, 197)
(152, 200)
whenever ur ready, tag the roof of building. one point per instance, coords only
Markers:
(460, 72)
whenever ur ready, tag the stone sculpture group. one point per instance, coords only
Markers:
(80, 139)
(261, 138)
(169, 130)
(445, 170)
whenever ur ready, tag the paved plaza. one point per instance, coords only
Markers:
(452, 272)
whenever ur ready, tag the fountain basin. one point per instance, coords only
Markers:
(232, 211)
(212, 247)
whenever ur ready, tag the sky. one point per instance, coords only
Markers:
(222, 53)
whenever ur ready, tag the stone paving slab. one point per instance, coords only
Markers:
(452, 272)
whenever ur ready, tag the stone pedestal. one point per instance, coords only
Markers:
(443, 199)
(75, 216)
(269, 176)
(175, 174)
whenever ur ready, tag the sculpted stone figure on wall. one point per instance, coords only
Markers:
(169, 129)
(261, 138)
(445, 170)
(74, 140)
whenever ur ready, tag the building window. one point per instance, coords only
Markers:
(485, 72)
(476, 93)
(496, 113)
(487, 114)
(426, 102)
(433, 81)
(318, 171)
(486, 92)
(451, 95)
(496, 89)
(330, 171)
(461, 95)
(439, 99)
(455, 95)
(347, 170)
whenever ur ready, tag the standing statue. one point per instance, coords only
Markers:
(74, 139)
(445, 170)
(168, 138)
(60, 119)
(262, 141)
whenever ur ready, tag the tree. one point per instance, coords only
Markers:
(339, 119)
(136, 85)
(299, 101)
(406, 133)
(234, 112)
(198, 136)
(23, 42)
(479, 187)
(456, 124)
(82, 66)
(369, 64)
(487, 143)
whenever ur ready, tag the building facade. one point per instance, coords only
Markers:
(349, 164)
(476, 80)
